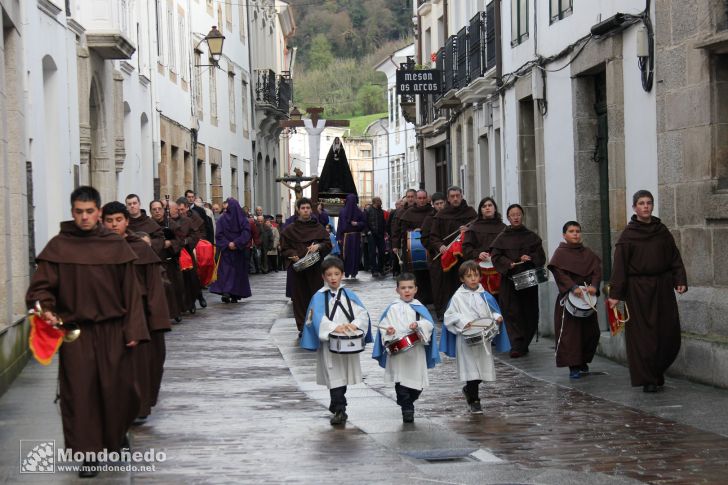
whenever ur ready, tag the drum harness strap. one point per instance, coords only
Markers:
(337, 304)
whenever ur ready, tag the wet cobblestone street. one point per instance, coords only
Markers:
(239, 404)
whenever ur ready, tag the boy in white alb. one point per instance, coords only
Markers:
(470, 303)
(407, 369)
(335, 309)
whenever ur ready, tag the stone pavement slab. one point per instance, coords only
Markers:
(239, 405)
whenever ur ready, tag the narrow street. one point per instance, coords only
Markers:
(239, 404)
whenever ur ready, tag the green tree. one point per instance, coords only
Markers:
(320, 55)
(371, 99)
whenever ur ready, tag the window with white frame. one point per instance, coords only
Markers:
(243, 26)
(170, 38)
(160, 31)
(244, 105)
(213, 96)
(519, 21)
(197, 88)
(231, 99)
(183, 61)
(561, 9)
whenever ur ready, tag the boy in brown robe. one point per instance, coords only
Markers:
(647, 271)
(86, 276)
(574, 267)
(456, 215)
(148, 357)
(299, 238)
(434, 266)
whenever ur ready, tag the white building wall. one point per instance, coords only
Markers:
(52, 121)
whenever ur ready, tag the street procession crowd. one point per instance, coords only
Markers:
(128, 275)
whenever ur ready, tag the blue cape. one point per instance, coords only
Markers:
(502, 343)
(432, 354)
(310, 336)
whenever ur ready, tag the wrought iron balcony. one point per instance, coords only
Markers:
(273, 91)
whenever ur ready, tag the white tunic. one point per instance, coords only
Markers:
(407, 368)
(475, 362)
(336, 370)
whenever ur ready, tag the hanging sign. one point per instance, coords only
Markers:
(426, 81)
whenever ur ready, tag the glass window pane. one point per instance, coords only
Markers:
(524, 18)
(554, 9)
(514, 20)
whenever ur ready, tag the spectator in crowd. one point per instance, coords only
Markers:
(375, 236)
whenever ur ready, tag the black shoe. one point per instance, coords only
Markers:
(140, 420)
(408, 416)
(339, 418)
(476, 408)
(649, 388)
(300, 333)
(203, 302)
(193, 309)
(125, 442)
(584, 368)
(177, 319)
(89, 469)
(225, 299)
(233, 300)
(465, 393)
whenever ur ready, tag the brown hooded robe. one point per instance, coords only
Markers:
(149, 357)
(88, 278)
(577, 339)
(295, 239)
(647, 268)
(520, 308)
(445, 222)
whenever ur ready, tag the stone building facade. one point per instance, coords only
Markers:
(14, 186)
(691, 43)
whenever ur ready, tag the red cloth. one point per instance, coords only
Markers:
(490, 278)
(255, 239)
(44, 339)
(454, 251)
(185, 260)
(205, 255)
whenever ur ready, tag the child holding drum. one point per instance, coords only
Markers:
(577, 271)
(405, 334)
(471, 323)
(337, 327)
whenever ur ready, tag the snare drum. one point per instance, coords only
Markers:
(529, 278)
(490, 278)
(416, 252)
(403, 344)
(346, 343)
(482, 330)
(578, 305)
(307, 261)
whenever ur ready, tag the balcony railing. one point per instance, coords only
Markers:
(274, 90)
(428, 112)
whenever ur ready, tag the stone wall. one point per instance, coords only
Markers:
(691, 79)
(14, 269)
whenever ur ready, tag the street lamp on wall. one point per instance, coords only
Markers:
(214, 40)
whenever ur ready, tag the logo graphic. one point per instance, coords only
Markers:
(37, 456)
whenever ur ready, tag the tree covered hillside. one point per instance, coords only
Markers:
(339, 43)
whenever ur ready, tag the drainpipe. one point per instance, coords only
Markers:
(499, 44)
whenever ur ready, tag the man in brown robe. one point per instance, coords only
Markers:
(302, 236)
(515, 250)
(85, 275)
(174, 286)
(148, 357)
(190, 228)
(455, 216)
(434, 266)
(646, 273)
(576, 269)
(140, 222)
(412, 220)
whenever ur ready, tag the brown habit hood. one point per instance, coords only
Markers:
(576, 259)
(463, 211)
(76, 246)
(415, 215)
